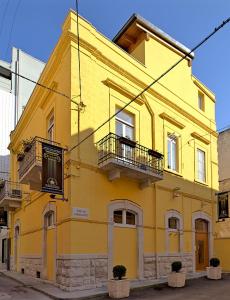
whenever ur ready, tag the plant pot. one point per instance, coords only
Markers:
(214, 273)
(127, 142)
(176, 279)
(118, 288)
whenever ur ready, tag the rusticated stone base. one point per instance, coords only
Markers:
(31, 265)
(83, 272)
(149, 266)
(165, 261)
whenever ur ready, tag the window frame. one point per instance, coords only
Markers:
(172, 139)
(51, 126)
(50, 214)
(125, 124)
(124, 218)
(200, 150)
(226, 203)
(177, 224)
(201, 101)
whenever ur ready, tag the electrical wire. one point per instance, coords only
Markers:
(155, 81)
(3, 17)
(12, 26)
(45, 87)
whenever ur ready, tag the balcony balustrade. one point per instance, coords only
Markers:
(10, 194)
(30, 163)
(121, 156)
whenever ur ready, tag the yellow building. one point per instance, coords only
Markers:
(141, 190)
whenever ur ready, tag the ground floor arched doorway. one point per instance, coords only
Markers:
(125, 238)
(201, 244)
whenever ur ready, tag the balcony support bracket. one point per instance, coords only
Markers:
(114, 174)
(146, 183)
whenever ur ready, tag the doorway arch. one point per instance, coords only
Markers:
(17, 229)
(201, 231)
(127, 206)
(49, 249)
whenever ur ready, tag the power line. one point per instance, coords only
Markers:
(44, 86)
(12, 26)
(3, 17)
(151, 84)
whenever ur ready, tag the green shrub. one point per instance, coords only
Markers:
(176, 266)
(119, 272)
(214, 262)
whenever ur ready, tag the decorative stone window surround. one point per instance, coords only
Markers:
(174, 214)
(17, 226)
(130, 206)
(50, 208)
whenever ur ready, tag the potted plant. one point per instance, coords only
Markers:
(176, 278)
(20, 156)
(214, 270)
(27, 145)
(119, 287)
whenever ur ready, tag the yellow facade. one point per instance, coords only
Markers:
(81, 249)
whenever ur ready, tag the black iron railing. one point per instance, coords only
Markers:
(129, 153)
(33, 155)
(9, 189)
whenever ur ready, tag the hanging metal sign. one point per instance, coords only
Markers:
(3, 217)
(52, 169)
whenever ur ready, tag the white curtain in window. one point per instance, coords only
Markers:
(172, 153)
(201, 165)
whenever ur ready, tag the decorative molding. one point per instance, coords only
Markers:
(122, 90)
(83, 256)
(172, 120)
(203, 88)
(199, 137)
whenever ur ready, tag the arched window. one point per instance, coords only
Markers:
(173, 223)
(174, 231)
(124, 217)
(49, 219)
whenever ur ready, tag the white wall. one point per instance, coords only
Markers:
(6, 126)
(30, 67)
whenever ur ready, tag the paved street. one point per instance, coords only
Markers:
(10, 289)
(194, 290)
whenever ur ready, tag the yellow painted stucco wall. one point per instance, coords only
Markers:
(110, 78)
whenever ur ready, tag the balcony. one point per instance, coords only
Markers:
(10, 194)
(120, 156)
(30, 163)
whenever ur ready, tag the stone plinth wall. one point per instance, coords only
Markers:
(165, 261)
(149, 266)
(82, 272)
(31, 265)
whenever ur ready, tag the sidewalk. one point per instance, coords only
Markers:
(54, 292)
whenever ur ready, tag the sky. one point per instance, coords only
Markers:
(35, 25)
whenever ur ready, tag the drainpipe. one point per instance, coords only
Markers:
(155, 240)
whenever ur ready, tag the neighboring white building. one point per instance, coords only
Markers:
(14, 94)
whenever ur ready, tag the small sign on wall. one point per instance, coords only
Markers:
(81, 213)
